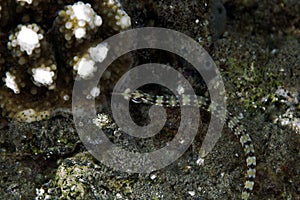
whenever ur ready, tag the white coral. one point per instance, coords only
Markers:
(28, 40)
(43, 76)
(10, 82)
(85, 16)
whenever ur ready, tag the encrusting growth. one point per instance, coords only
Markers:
(45, 47)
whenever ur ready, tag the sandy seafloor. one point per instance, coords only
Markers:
(258, 54)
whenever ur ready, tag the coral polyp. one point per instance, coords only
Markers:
(77, 21)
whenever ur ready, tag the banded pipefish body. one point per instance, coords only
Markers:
(201, 102)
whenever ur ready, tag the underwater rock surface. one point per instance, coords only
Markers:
(258, 55)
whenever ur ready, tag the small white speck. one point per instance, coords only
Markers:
(28, 1)
(95, 92)
(192, 193)
(118, 196)
(152, 176)
(101, 120)
(200, 161)
(274, 51)
(200, 39)
(10, 82)
(222, 174)
(81, 23)
(197, 21)
(180, 90)
(66, 97)
(281, 69)
(125, 21)
(40, 192)
(98, 20)
(223, 60)
(68, 25)
(110, 2)
(79, 33)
